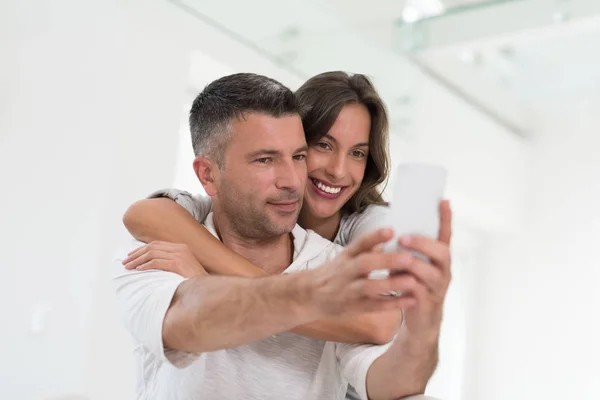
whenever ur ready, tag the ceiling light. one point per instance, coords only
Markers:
(411, 14)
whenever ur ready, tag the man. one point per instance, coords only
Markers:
(217, 337)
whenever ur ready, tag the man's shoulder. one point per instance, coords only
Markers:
(325, 247)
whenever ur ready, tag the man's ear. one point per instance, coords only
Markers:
(207, 171)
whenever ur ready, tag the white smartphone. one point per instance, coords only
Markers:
(414, 210)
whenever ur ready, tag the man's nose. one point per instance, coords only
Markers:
(289, 177)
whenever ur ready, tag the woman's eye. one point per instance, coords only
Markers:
(358, 154)
(323, 145)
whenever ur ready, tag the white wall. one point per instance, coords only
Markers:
(484, 160)
(90, 103)
(538, 325)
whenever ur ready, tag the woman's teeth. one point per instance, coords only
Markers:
(327, 189)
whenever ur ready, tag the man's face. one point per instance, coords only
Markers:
(262, 180)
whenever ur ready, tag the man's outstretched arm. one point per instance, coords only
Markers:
(215, 312)
(172, 231)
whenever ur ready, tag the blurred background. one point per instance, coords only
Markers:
(505, 94)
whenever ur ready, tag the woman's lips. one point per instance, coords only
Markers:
(322, 193)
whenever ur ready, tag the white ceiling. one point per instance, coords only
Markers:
(540, 66)
(514, 76)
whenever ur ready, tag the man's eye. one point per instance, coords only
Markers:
(264, 160)
(300, 157)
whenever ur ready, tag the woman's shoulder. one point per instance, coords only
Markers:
(199, 205)
(371, 211)
(357, 223)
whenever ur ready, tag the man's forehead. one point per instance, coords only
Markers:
(257, 129)
(254, 118)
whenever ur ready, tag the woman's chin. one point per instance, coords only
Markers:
(316, 209)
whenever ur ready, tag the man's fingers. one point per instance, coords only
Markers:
(421, 295)
(146, 257)
(370, 295)
(376, 289)
(368, 262)
(438, 252)
(368, 242)
(429, 276)
(409, 266)
(379, 248)
(445, 231)
(386, 303)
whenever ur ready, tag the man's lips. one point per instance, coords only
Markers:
(288, 205)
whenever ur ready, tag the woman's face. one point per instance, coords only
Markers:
(336, 162)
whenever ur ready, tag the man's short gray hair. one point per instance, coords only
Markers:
(229, 98)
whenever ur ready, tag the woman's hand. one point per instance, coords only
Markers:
(171, 257)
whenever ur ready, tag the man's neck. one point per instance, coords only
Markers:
(325, 227)
(273, 254)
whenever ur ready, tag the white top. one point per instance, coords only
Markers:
(285, 366)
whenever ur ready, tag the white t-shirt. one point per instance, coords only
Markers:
(284, 366)
(351, 226)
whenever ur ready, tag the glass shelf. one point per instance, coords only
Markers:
(470, 21)
(515, 60)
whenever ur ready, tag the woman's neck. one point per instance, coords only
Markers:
(326, 227)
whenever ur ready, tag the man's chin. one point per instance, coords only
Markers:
(288, 226)
(284, 225)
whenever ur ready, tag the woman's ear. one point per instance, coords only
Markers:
(206, 171)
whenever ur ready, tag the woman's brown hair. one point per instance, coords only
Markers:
(321, 99)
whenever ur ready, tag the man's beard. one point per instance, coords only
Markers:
(250, 218)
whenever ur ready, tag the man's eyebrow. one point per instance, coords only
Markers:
(264, 152)
(273, 152)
